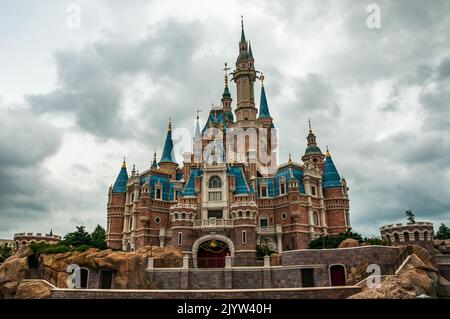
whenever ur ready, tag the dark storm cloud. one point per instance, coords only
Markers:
(315, 94)
(435, 100)
(26, 190)
(91, 82)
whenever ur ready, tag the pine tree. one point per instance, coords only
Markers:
(99, 237)
(443, 232)
(410, 216)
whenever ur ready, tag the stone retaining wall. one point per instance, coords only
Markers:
(288, 293)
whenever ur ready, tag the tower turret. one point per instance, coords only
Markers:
(120, 185)
(154, 165)
(116, 208)
(226, 98)
(167, 163)
(313, 153)
(336, 198)
(245, 76)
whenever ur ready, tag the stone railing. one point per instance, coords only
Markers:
(212, 223)
(405, 225)
(40, 235)
(265, 230)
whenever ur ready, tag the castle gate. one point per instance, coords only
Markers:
(211, 254)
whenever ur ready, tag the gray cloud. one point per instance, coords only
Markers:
(334, 83)
(25, 191)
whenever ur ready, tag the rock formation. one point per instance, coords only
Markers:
(442, 246)
(129, 268)
(349, 242)
(418, 276)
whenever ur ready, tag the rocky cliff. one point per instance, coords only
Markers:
(418, 277)
(129, 268)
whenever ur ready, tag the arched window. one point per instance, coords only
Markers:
(396, 238)
(215, 182)
(316, 219)
(388, 239)
(406, 235)
(416, 236)
(425, 236)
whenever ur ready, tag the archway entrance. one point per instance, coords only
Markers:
(211, 254)
(337, 275)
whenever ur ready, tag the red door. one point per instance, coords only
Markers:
(211, 256)
(337, 275)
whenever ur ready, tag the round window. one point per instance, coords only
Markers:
(157, 220)
(283, 216)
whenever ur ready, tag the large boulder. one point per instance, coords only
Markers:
(34, 289)
(13, 271)
(349, 242)
(417, 277)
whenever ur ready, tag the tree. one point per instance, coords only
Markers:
(5, 252)
(410, 216)
(99, 237)
(77, 238)
(443, 232)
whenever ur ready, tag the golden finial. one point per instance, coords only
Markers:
(261, 78)
(226, 69)
(198, 111)
(170, 125)
(290, 159)
(154, 155)
(309, 124)
(328, 152)
(124, 165)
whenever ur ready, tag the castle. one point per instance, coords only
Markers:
(229, 196)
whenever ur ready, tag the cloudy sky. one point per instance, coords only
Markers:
(76, 98)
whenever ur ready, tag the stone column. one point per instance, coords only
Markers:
(266, 261)
(228, 261)
(279, 232)
(151, 263)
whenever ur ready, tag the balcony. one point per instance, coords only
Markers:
(266, 230)
(213, 223)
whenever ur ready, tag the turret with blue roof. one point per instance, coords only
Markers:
(312, 150)
(120, 185)
(167, 164)
(331, 176)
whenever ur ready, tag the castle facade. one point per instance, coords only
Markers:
(230, 196)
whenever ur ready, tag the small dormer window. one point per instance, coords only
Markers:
(264, 191)
(313, 190)
(282, 188)
(158, 192)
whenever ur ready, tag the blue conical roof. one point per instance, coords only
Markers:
(120, 186)
(331, 176)
(154, 164)
(263, 105)
(168, 154)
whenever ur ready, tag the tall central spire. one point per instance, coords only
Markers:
(244, 75)
(242, 30)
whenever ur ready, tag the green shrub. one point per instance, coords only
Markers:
(375, 241)
(37, 248)
(55, 249)
(83, 248)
